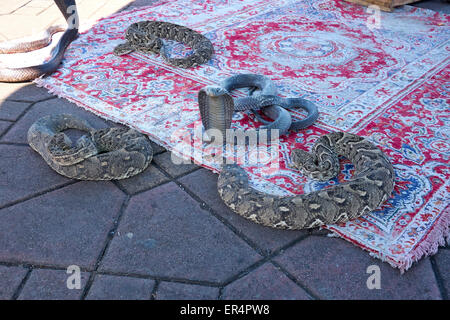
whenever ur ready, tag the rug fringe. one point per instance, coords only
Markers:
(438, 236)
(373, 253)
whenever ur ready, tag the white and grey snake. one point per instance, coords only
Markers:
(7, 74)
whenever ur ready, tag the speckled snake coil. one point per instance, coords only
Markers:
(145, 36)
(372, 184)
(104, 154)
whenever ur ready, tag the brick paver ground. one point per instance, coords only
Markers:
(164, 234)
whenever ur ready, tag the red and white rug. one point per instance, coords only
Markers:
(389, 84)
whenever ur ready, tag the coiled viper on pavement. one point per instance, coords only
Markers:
(104, 154)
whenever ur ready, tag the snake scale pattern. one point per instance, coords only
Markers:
(104, 154)
(372, 184)
(145, 36)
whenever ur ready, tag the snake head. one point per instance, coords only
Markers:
(60, 142)
(123, 48)
(301, 159)
(215, 91)
(140, 38)
(310, 165)
(62, 152)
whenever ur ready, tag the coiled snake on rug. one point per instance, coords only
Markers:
(217, 106)
(267, 100)
(7, 74)
(372, 184)
(104, 154)
(145, 36)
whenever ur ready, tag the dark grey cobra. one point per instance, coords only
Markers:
(267, 101)
(217, 106)
(69, 11)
